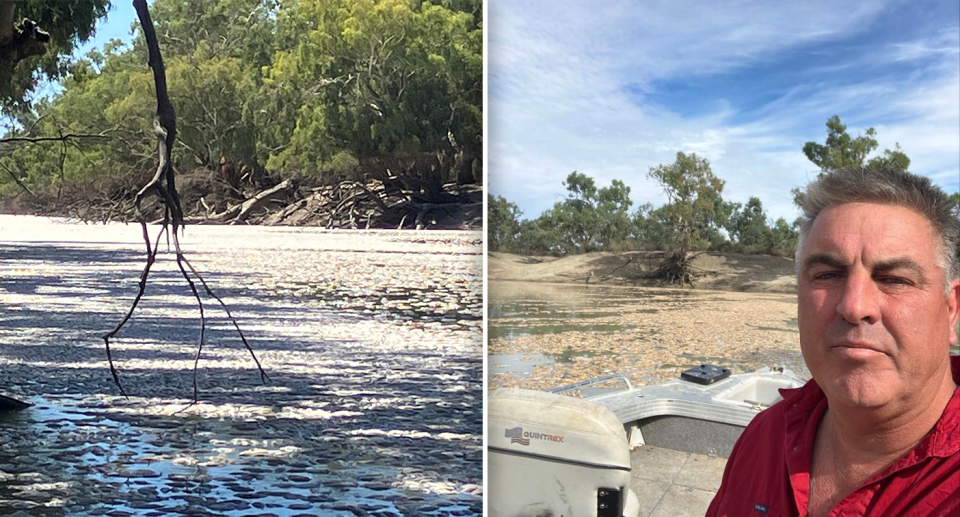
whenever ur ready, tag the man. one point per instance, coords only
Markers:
(877, 429)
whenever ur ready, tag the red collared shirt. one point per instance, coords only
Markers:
(768, 473)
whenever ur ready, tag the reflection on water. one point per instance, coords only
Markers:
(523, 364)
(372, 341)
(517, 364)
(521, 329)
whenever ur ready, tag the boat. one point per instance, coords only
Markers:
(552, 454)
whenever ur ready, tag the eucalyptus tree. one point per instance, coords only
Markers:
(590, 218)
(748, 225)
(35, 38)
(375, 77)
(503, 223)
(692, 192)
(842, 150)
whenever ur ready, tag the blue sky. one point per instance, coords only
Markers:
(116, 25)
(613, 88)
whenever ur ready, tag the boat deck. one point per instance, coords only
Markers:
(673, 483)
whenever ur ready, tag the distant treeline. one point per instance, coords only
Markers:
(600, 219)
(319, 88)
(695, 218)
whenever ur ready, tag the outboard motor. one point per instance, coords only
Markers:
(554, 455)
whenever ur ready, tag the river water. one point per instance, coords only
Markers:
(372, 341)
(544, 336)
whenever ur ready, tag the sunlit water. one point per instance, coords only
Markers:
(372, 340)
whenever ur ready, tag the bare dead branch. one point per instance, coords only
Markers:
(163, 184)
(164, 125)
(203, 321)
(263, 375)
(151, 258)
(63, 158)
(37, 139)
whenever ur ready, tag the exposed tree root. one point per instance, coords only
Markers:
(677, 269)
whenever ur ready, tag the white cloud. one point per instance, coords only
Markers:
(573, 87)
(943, 43)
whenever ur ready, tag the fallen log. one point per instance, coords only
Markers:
(240, 212)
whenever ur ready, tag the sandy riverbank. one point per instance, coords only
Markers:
(717, 271)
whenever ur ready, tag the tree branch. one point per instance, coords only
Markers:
(62, 138)
(164, 125)
(16, 179)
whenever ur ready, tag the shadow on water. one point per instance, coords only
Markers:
(354, 429)
(79, 453)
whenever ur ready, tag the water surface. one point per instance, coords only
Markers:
(548, 335)
(372, 340)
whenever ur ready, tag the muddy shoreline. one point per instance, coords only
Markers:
(297, 201)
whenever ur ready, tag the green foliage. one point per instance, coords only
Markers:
(594, 219)
(375, 78)
(68, 22)
(751, 232)
(748, 225)
(695, 217)
(842, 150)
(589, 219)
(503, 223)
(783, 238)
(693, 195)
(298, 87)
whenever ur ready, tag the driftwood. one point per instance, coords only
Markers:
(677, 268)
(239, 213)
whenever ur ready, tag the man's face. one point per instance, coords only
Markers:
(875, 325)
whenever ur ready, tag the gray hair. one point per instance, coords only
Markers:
(889, 187)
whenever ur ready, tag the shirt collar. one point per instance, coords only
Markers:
(943, 440)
